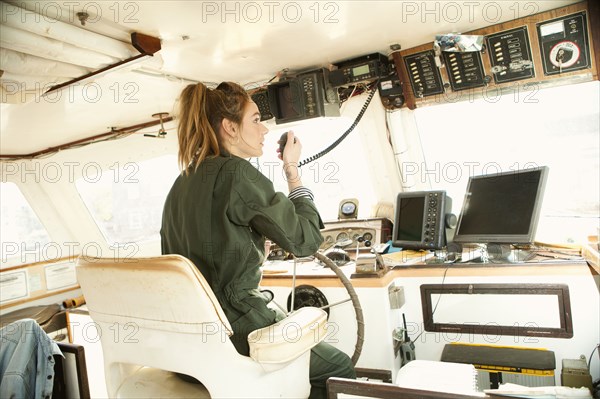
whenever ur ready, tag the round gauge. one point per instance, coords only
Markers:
(368, 236)
(564, 54)
(348, 208)
(329, 240)
(342, 236)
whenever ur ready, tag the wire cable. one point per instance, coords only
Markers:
(592, 354)
(436, 304)
(347, 132)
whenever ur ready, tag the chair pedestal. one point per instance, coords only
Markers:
(154, 383)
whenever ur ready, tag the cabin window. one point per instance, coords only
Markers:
(522, 128)
(534, 310)
(340, 174)
(127, 200)
(22, 233)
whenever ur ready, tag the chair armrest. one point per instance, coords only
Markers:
(289, 338)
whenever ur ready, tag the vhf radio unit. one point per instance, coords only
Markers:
(360, 69)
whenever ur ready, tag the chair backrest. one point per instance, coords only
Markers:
(160, 313)
(163, 293)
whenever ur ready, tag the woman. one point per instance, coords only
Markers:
(221, 209)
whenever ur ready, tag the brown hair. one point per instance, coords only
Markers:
(201, 111)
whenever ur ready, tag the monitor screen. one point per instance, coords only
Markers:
(502, 208)
(285, 102)
(411, 214)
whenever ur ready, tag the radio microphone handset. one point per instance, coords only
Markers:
(283, 142)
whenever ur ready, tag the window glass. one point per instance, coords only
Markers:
(127, 199)
(338, 175)
(22, 233)
(557, 127)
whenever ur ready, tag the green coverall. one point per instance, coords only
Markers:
(218, 217)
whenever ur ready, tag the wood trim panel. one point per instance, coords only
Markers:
(36, 270)
(374, 374)
(594, 19)
(70, 258)
(65, 372)
(554, 268)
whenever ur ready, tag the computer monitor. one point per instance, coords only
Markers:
(502, 208)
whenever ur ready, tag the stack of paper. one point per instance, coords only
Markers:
(447, 377)
(519, 391)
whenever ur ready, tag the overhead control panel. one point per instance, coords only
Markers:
(548, 48)
(564, 43)
(465, 70)
(510, 55)
(424, 75)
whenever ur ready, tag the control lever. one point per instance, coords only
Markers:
(337, 253)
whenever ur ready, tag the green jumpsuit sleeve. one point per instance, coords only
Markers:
(293, 224)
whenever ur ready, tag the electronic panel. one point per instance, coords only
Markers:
(390, 91)
(360, 69)
(424, 74)
(465, 70)
(305, 96)
(564, 44)
(510, 55)
(261, 98)
(376, 230)
(420, 219)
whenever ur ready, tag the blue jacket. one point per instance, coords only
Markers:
(26, 361)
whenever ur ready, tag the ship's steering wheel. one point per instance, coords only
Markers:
(360, 322)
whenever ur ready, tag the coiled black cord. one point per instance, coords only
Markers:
(347, 132)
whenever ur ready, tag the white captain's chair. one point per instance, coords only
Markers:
(158, 315)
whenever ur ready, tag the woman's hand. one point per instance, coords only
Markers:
(290, 158)
(292, 149)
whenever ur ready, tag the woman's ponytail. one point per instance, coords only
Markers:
(201, 111)
(197, 139)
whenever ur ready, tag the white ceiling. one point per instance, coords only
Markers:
(247, 42)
